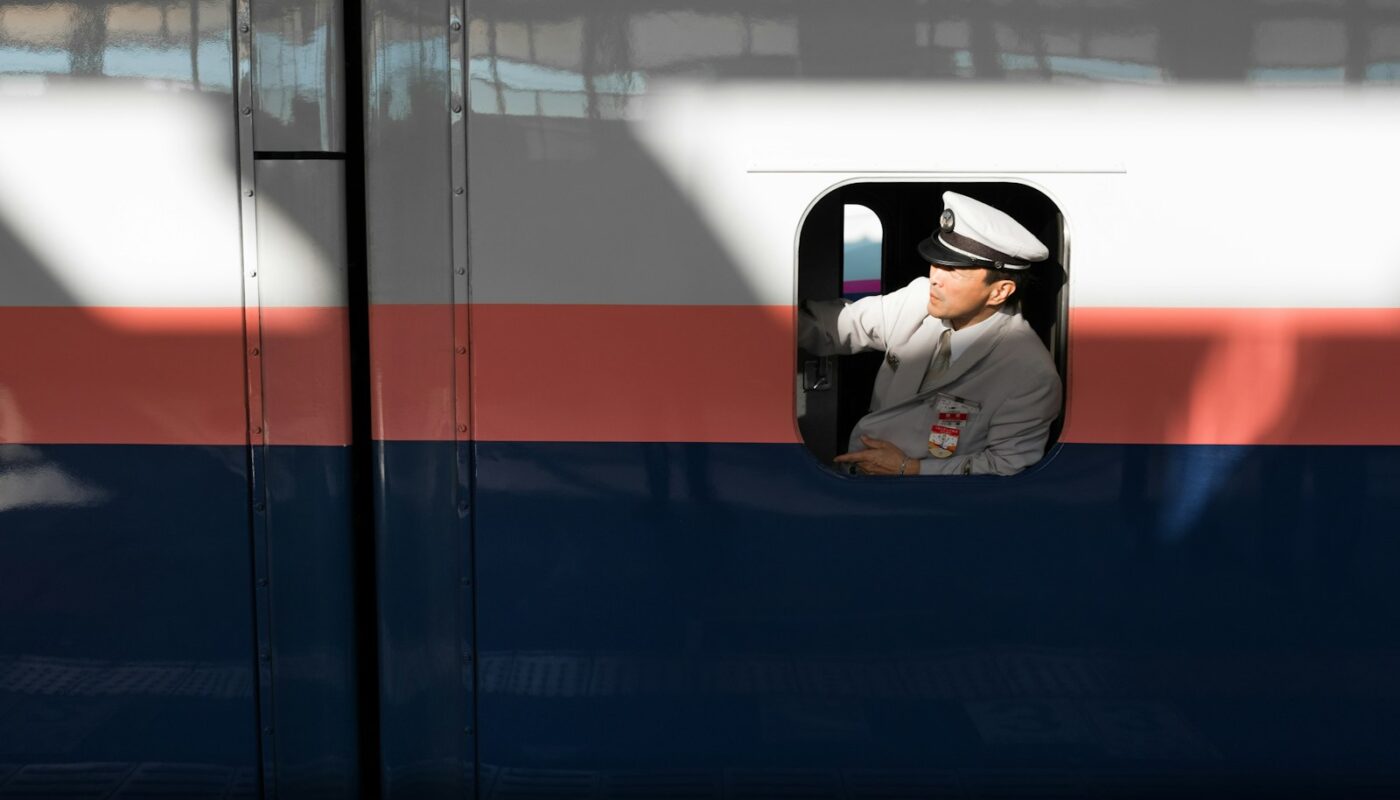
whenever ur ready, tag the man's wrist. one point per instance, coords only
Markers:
(902, 465)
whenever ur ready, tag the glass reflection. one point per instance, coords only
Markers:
(184, 44)
(545, 59)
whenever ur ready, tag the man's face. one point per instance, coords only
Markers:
(958, 295)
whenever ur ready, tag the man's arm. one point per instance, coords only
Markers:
(1016, 436)
(840, 327)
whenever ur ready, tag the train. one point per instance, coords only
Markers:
(403, 400)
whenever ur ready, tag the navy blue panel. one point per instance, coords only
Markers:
(125, 612)
(311, 562)
(424, 686)
(1121, 618)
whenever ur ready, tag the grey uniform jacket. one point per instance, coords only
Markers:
(1006, 374)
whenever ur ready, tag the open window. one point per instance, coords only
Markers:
(862, 239)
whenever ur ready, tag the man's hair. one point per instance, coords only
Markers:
(1016, 276)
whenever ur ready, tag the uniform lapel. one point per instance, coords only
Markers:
(913, 361)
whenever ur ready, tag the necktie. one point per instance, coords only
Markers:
(939, 363)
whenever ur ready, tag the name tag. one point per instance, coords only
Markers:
(950, 416)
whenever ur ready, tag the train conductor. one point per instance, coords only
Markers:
(966, 387)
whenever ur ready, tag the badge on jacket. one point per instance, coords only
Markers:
(950, 415)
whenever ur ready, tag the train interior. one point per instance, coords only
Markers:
(861, 239)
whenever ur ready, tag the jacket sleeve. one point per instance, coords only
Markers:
(1016, 436)
(840, 327)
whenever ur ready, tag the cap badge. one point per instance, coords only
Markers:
(947, 221)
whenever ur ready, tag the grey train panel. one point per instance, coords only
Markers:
(302, 263)
(299, 72)
(301, 233)
(406, 152)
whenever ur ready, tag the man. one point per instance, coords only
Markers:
(967, 388)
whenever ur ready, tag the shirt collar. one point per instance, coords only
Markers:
(961, 341)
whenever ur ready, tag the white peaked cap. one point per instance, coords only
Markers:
(973, 234)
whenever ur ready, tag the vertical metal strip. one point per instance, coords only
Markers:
(461, 374)
(257, 418)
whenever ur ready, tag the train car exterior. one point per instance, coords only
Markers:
(177, 601)
(402, 400)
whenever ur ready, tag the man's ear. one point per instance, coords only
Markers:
(1001, 292)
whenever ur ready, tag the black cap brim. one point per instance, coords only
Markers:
(934, 251)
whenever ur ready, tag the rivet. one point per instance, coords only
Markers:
(462, 506)
(461, 428)
(461, 351)
(461, 270)
(456, 24)
(248, 193)
(255, 351)
(466, 582)
(252, 273)
(257, 429)
(262, 581)
(260, 507)
(456, 108)
(459, 191)
(243, 28)
(247, 110)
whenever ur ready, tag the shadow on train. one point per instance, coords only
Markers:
(685, 618)
(1168, 613)
(128, 655)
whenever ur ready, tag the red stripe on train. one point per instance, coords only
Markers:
(590, 373)
(1234, 376)
(661, 373)
(79, 375)
(634, 373)
(723, 374)
(412, 371)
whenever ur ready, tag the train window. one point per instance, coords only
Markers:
(862, 236)
(904, 365)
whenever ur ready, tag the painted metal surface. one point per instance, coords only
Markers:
(1122, 618)
(419, 388)
(131, 659)
(730, 619)
(649, 621)
(313, 688)
(304, 289)
(168, 156)
(425, 706)
(126, 630)
(125, 625)
(626, 587)
(316, 688)
(299, 67)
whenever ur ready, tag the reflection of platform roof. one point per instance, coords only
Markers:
(533, 77)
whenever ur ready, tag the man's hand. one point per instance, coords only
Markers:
(881, 458)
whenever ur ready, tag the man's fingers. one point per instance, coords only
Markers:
(860, 456)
